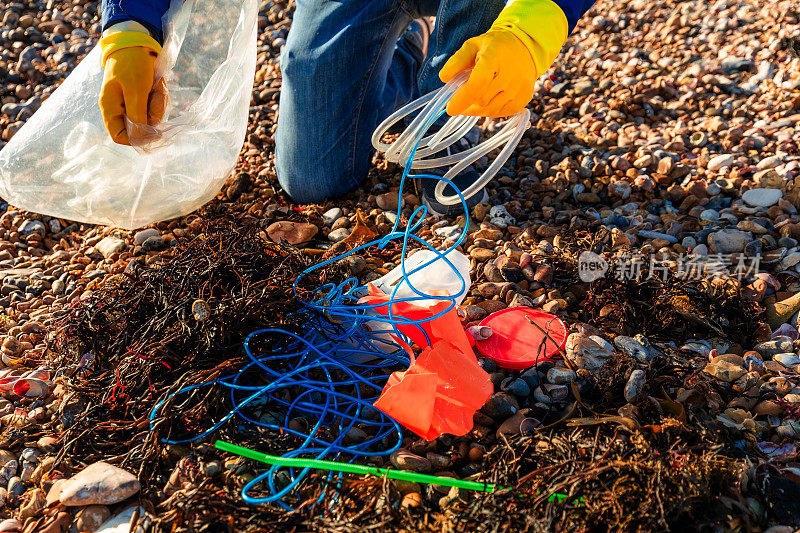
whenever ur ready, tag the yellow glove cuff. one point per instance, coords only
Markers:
(126, 39)
(540, 24)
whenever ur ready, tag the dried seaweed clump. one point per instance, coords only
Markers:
(156, 329)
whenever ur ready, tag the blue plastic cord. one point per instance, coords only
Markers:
(320, 369)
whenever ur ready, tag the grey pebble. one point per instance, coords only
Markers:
(499, 407)
(141, 236)
(331, 215)
(153, 243)
(657, 235)
(632, 347)
(58, 287)
(550, 393)
(338, 234)
(531, 377)
(29, 227)
(516, 386)
(774, 346)
(635, 385)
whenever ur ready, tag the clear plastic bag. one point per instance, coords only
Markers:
(63, 163)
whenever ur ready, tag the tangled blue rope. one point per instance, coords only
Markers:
(335, 370)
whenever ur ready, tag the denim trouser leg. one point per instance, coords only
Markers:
(343, 72)
(334, 92)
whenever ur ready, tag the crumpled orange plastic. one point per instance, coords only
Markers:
(438, 394)
(445, 385)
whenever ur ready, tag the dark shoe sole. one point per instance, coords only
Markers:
(481, 197)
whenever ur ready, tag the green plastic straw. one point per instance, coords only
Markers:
(336, 466)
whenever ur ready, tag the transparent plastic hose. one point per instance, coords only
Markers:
(433, 105)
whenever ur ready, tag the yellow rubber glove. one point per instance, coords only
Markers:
(129, 60)
(507, 60)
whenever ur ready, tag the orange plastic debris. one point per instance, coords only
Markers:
(442, 389)
(446, 327)
(439, 393)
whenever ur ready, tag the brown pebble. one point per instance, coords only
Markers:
(476, 453)
(412, 499)
(768, 407)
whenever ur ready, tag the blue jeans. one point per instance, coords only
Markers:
(344, 71)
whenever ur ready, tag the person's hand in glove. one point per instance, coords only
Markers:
(129, 60)
(507, 60)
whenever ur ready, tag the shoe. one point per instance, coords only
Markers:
(463, 180)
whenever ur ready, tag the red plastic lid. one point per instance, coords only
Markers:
(516, 343)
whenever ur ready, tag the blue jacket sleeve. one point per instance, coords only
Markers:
(574, 9)
(145, 12)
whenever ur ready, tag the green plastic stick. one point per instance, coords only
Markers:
(363, 469)
(353, 468)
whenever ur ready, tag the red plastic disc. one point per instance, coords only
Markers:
(516, 343)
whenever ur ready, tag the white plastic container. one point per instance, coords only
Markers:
(439, 275)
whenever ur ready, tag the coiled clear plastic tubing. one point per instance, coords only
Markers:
(433, 105)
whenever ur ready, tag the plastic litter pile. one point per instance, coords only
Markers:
(335, 372)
